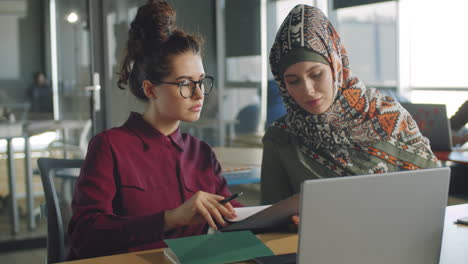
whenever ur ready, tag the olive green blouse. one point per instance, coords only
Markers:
(285, 166)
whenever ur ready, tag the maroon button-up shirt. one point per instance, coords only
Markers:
(131, 175)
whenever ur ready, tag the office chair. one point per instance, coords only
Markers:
(77, 150)
(56, 242)
(248, 119)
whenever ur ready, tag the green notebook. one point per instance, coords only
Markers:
(216, 248)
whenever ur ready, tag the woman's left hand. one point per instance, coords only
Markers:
(295, 219)
(293, 226)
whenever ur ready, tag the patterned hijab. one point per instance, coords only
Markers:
(358, 119)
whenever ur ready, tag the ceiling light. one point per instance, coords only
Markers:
(72, 18)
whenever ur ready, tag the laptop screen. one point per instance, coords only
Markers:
(382, 218)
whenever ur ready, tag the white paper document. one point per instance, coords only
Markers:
(245, 212)
(263, 217)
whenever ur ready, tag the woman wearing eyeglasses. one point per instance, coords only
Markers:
(146, 181)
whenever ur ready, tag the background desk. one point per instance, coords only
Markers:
(455, 156)
(240, 165)
(36, 127)
(454, 244)
(25, 130)
(9, 131)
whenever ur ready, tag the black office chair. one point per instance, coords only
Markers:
(248, 119)
(50, 170)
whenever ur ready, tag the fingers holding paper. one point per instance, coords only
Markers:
(211, 211)
(226, 209)
(200, 208)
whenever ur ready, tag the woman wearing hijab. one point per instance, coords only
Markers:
(334, 125)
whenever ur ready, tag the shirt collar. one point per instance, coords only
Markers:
(146, 132)
(176, 137)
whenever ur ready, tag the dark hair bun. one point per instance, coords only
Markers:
(163, 18)
(153, 25)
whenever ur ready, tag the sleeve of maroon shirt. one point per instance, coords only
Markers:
(94, 225)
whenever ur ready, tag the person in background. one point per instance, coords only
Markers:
(334, 125)
(459, 172)
(40, 94)
(457, 123)
(145, 181)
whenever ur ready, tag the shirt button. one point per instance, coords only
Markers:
(167, 139)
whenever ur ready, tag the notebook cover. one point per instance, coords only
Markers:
(218, 248)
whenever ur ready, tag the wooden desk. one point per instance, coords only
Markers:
(454, 244)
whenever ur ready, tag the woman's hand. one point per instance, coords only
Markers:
(293, 226)
(200, 208)
(295, 219)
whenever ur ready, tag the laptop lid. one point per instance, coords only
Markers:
(433, 123)
(382, 218)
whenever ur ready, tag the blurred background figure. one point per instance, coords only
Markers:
(457, 123)
(40, 94)
(459, 177)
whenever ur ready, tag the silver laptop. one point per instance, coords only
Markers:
(383, 218)
(433, 123)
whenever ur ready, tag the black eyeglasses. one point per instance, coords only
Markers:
(187, 87)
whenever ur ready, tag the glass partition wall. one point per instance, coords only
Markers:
(117, 16)
(75, 80)
(71, 68)
(242, 71)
